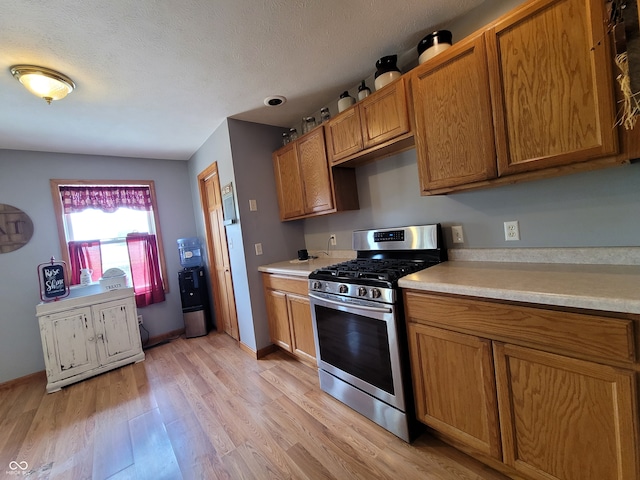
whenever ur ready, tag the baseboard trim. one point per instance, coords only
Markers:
(26, 379)
(164, 337)
(263, 352)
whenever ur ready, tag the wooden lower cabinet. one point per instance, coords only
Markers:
(528, 412)
(289, 315)
(278, 315)
(563, 418)
(454, 384)
(304, 344)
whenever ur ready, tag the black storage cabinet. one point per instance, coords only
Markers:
(195, 301)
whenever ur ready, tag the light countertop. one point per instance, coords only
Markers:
(614, 288)
(300, 268)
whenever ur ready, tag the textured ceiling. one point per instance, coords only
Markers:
(155, 78)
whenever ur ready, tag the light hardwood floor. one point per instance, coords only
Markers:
(201, 408)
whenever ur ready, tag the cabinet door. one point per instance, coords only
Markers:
(551, 80)
(302, 327)
(278, 316)
(344, 135)
(314, 171)
(69, 343)
(288, 182)
(384, 115)
(454, 123)
(564, 418)
(117, 331)
(454, 384)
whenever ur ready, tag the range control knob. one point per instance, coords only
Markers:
(362, 292)
(316, 285)
(343, 288)
(375, 293)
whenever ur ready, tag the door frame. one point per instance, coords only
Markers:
(217, 295)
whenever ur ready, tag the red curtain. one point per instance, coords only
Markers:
(145, 269)
(105, 198)
(85, 255)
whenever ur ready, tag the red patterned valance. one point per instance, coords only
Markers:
(105, 198)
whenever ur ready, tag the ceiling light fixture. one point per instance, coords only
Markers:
(43, 82)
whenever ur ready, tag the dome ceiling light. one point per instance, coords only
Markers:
(43, 82)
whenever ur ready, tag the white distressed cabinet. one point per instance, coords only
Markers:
(84, 335)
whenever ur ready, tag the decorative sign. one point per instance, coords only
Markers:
(228, 205)
(52, 280)
(16, 228)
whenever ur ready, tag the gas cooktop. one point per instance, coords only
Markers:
(387, 271)
(384, 256)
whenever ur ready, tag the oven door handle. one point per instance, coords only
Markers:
(352, 306)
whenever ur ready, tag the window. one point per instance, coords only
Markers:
(112, 224)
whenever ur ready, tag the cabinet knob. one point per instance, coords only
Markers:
(100, 336)
(91, 339)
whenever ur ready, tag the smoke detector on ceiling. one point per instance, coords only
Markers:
(274, 101)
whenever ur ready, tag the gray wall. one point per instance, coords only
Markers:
(24, 183)
(594, 209)
(243, 152)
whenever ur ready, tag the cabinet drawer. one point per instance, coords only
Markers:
(584, 334)
(286, 284)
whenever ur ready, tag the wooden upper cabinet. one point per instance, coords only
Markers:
(454, 132)
(566, 419)
(314, 170)
(304, 180)
(344, 136)
(384, 116)
(288, 184)
(550, 69)
(373, 122)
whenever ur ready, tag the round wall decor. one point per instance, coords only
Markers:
(16, 228)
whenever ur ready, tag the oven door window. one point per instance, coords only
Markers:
(355, 344)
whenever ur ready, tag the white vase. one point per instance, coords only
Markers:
(385, 79)
(85, 276)
(345, 101)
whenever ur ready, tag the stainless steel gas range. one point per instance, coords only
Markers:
(358, 321)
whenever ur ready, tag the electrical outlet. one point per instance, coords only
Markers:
(332, 239)
(139, 319)
(456, 233)
(258, 248)
(253, 206)
(511, 231)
